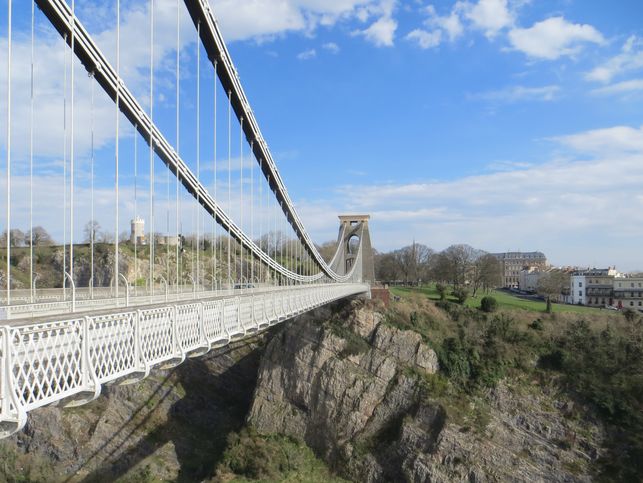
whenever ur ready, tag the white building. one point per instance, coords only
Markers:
(171, 240)
(578, 289)
(137, 233)
(594, 287)
(528, 279)
(628, 293)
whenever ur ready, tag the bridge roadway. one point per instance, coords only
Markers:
(49, 302)
(65, 359)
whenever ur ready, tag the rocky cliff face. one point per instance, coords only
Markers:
(365, 396)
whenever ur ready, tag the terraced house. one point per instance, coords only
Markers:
(599, 285)
(628, 293)
(514, 262)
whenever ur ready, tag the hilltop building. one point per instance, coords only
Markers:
(137, 232)
(594, 287)
(513, 262)
(137, 235)
(528, 279)
(171, 240)
(628, 293)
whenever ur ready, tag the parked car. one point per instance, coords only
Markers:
(243, 285)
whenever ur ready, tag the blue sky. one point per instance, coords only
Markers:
(508, 125)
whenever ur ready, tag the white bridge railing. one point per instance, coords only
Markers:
(67, 361)
(59, 303)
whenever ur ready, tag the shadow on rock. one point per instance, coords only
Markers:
(214, 405)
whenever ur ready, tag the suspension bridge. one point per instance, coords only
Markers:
(127, 114)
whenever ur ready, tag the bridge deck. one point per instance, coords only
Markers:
(67, 359)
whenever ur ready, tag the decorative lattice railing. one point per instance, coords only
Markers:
(67, 361)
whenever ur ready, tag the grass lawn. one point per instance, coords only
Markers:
(505, 300)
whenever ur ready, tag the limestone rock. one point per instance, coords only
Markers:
(364, 320)
(407, 346)
(366, 416)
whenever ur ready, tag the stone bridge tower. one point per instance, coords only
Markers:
(353, 230)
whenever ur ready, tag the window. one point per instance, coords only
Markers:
(631, 304)
(632, 284)
(580, 284)
(580, 293)
(639, 303)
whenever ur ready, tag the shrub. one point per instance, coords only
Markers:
(599, 366)
(455, 359)
(536, 325)
(354, 343)
(442, 290)
(488, 304)
(461, 295)
(629, 314)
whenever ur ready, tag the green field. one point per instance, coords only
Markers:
(505, 300)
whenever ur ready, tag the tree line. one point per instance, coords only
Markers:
(458, 266)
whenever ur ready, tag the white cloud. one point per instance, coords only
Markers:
(437, 28)
(609, 141)
(49, 78)
(630, 59)
(381, 33)
(520, 93)
(623, 87)
(490, 16)
(331, 47)
(424, 39)
(508, 165)
(307, 54)
(586, 211)
(267, 18)
(450, 24)
(553, 38)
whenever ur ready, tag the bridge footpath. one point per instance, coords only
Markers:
(66, 360)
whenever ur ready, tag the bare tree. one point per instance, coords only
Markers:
(39, 236)
(440, 268)
(552, 285)
(91, 230)
(387, 268)
(459, 259)
(327, 250)
(413, 261)
(16, 238)
(105, 237)
(486, 273)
